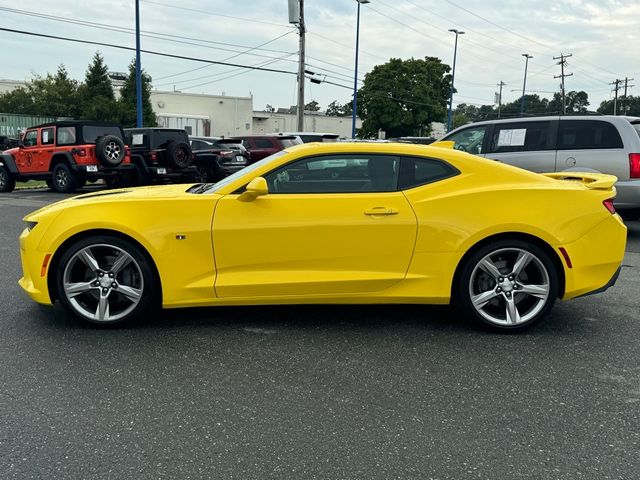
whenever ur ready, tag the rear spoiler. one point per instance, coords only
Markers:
(443, 144)
(593, 181)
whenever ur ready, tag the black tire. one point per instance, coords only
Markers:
(502, 295)
(7, 182)
(178, 155)
(110, 150)
(64, 180)
(82, 288)
(118, 181)
(202, 174)
(140, 176)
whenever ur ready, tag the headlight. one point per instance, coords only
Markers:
(31, 225)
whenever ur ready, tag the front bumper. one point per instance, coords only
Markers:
(34, 276)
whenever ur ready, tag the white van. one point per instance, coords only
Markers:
(605, 144)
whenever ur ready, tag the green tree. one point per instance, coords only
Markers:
(337, 109)
(631, 105)
(97, 99)
(575, 102)
(312, 106)
(534, 105)
(403, 97)
(127, 101)
(55, 95)
(18, 101)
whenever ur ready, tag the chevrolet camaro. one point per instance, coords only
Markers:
(335, 223)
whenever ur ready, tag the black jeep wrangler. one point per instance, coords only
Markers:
(160, 154)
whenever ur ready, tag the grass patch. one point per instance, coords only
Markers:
(31, 184)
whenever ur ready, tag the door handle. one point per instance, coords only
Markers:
(381, 211)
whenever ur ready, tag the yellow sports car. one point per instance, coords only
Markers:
(333, 223)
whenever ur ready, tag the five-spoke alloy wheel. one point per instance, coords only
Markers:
(104, 280)
(508, 285)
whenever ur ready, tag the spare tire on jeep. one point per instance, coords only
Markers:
(178, 154)
(110, 150)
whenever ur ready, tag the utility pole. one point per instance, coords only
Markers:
(139, 118)
(501, 84)
(615, 96)
(301, 30)
(624, 101)
(563, 63)
(524, 81)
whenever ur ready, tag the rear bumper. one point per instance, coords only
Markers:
(627, 195)
(595, 258)
(102, 171)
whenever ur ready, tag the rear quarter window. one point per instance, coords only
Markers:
(415, 171)
(587, 134)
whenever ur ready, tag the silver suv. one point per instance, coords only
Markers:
(604, 144)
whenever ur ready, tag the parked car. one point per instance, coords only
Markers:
(215, 158)
(605, 144)
(8, 142)
(261, 146)
(160, 154)
(66, 155)
(412, 224)
(308, 137)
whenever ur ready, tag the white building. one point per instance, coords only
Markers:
(220, 115)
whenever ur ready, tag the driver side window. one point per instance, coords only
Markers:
(337, 174)
(469, 140)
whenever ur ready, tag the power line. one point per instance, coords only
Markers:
(150, 52)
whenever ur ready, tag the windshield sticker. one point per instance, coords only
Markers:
(512, 137)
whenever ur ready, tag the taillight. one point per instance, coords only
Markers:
(608, 204)
(81, 152)
(153, 156)
(634, 165)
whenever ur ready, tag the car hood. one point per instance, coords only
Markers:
(162, 192)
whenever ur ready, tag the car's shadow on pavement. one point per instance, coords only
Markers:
(430, 319)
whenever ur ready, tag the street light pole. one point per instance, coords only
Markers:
(138, 70)
(524, 83)
(453, 76)
(355, 74)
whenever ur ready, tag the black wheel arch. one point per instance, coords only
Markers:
(53, 265)
(548, 249)
(10, 163)
(62, 157)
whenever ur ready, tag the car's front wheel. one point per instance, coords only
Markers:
(508, 285)
(7, 182)
(105, 280)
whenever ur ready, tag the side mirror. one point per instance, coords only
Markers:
(20, 144)
(256, 188)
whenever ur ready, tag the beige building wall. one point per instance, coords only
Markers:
(267, 122)
(9, 85)
(227, 116)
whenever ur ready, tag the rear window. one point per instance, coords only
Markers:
(162, 137)
(90, 133)
(263, 143)
(587, 134)
(290, 142)
(636, 126)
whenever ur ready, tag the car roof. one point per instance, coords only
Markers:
(274, 135)
(551, 117)
(75, 123)
(321, 134)
(155, 129)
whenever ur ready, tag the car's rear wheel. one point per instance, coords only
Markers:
(202, 174)
(508, 285)
(105, 280)
(7, 182)
(64, 180)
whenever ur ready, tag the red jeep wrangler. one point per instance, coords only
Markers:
(66, 155)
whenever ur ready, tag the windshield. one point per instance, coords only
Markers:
(214, 187)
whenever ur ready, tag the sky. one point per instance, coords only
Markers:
(601, 35)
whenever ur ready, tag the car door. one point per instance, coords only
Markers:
(25, 155)
(42, 157)
(529, 145)
(343, 230)
(588, 145)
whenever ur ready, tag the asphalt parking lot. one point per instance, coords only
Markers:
(317, 392)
